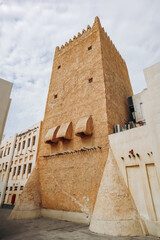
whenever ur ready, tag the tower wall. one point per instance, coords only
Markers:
(84, 74)
(117, 84)
(70, 182)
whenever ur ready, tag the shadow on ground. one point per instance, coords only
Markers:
(47, 229)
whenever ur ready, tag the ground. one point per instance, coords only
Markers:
(46, 229)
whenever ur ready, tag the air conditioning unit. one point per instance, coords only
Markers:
(117, 128)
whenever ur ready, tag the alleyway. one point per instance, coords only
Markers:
(47, 229)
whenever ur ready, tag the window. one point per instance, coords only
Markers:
(20, 160)
(90, 80)
(6, 188)
(24, 168)
(19, 170)
(5, 152)
(9, 150)
(1, 153)
(55, 96)
(15, 188)
(34, 140)
(23, 146)
(10, 169)
(29, 168)
(59, 66)
(10, 188)
(6, 166)
(29, 141)
(89, 48)
(21, 187)
(19, 145)
(14, 171)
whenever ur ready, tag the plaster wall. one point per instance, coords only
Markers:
(133, 151)
(6, 156)
(152, 109)
(5, 91)
(23, 162)
(138, 101)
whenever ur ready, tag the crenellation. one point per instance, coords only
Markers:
(79, 35)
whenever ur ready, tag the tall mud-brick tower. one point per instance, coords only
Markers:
(87, 96)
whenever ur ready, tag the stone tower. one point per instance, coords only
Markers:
(87, 96)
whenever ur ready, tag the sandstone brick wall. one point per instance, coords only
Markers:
(117, 84)
(70, 182)
(81, 86)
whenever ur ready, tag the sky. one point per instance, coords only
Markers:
(30, 30)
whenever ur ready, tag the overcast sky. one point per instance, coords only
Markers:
(31, 29)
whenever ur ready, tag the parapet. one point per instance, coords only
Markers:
(72, 42)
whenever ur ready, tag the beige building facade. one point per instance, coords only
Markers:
(17, 161)
(5, 91)
(23, 162)
(6, 156)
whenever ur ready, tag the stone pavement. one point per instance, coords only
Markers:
(47, 229)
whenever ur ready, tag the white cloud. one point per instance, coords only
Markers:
(30, 30)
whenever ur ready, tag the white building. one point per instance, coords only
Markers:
(5, 91)
(6, 155)
(137, 152)
(23, 162)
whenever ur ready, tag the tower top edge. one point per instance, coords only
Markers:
(71, 42)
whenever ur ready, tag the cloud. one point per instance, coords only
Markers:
(30, 30)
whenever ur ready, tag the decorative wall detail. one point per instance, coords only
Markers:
(84, 149)
(51, 135)
(84, 127)
(65, 131)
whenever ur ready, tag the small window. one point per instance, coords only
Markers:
(6, 166)
(5, 152)
(23, 144)
(19, 145)
(10, 188)
(6, 188)
(19, 170)
(59, 66)
(29, 168)
(15, 188)
(29, 141)
(24, 169)
(90, 80)
(14, 171)
(20, 160)
(55, 96)
(21, 187)
(9, 150)
(1, 153)
(89, 48)
(34, 140)
(10, 169)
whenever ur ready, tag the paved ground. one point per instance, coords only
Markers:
(47, 229)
